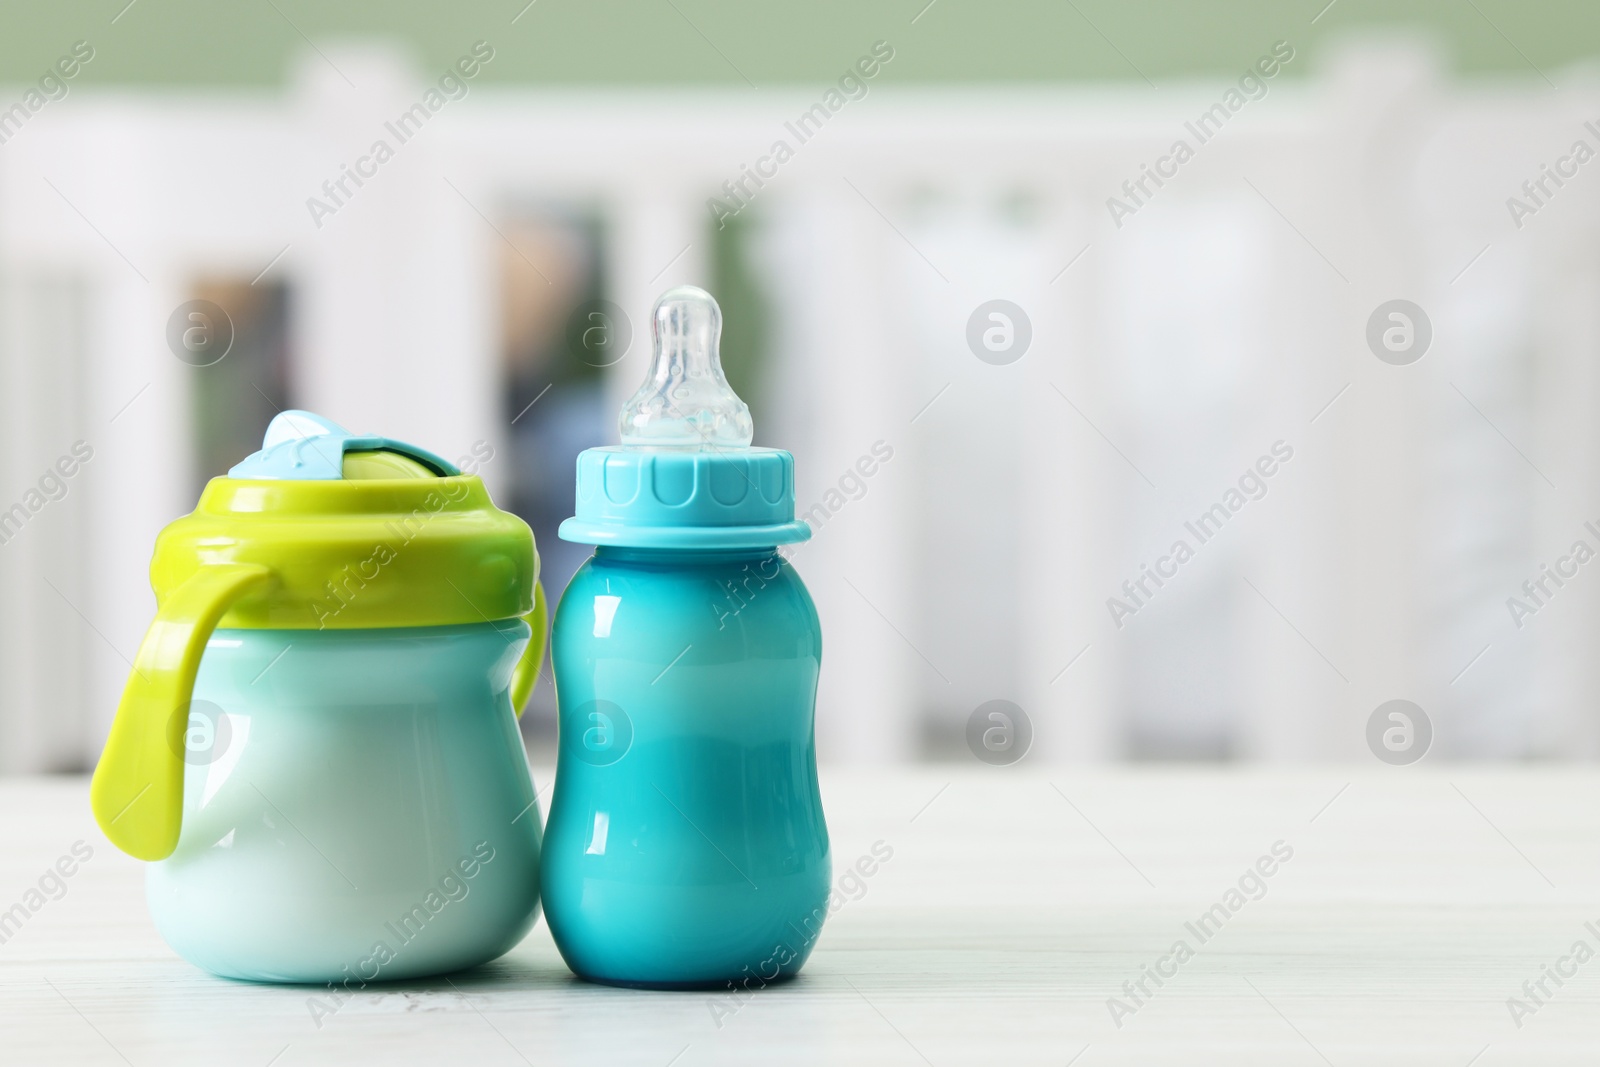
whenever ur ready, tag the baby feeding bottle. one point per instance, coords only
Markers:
(686, 845)
(317, 746)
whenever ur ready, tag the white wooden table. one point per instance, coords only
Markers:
(1416, 902)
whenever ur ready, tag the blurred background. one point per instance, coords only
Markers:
(1035, 292)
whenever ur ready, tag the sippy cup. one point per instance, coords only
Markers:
(686, 845)
(317, 746)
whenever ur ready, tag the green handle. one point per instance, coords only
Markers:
(137, 792)
(526, 672)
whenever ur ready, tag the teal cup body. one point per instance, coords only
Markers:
(356, 806)
(686, 845)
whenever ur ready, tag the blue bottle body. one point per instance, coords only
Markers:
(686, 845)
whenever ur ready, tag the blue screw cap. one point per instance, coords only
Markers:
(639, 498)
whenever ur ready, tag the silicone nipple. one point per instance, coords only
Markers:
(685, 401)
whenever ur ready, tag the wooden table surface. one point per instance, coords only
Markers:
(1413, 906)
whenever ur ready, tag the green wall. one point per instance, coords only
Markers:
(719, 42)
